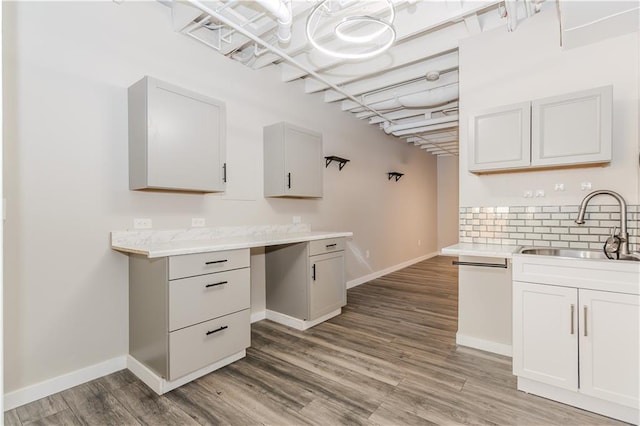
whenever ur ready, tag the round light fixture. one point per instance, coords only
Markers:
(363, 36)
(433, 75)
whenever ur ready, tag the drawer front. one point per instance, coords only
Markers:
(190, 265)
(197, 299)
(192, 348)
(325, 246)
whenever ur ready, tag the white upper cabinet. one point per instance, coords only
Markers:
(500, 138)
(572, 129)
(177, 139)
(565, 130)
(293, 161)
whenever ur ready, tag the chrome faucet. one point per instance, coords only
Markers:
(623, 235)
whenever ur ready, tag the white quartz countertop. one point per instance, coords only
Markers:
(481, 250)
(176, 247)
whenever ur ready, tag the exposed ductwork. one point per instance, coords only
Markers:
(399, 129)
(425, 99)
(282, 11)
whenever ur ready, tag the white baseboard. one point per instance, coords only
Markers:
(58, 384)
(484, 345)
(258, 316)
(366, 278)
(299, 324)
(580, 400)
(161, 386)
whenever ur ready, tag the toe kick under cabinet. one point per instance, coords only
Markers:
(188, 312)
(305, 282)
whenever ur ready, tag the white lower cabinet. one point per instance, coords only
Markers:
(305, 282)
(574, 340)
(609, 353)
(545, 344)
(187, 315)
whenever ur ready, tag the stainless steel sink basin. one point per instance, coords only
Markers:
(574, 253)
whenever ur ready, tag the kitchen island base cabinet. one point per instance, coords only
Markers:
(170, 342)
(305, 282)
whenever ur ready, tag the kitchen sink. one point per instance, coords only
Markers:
(574, 253)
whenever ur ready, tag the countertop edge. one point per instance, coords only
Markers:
(481, 250)
(201, 246)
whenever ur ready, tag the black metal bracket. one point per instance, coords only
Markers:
(341, 161)
(395, 175)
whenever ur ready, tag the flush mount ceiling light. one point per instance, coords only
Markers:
(351, 29)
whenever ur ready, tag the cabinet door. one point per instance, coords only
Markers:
(573, 128)
(303, 162)
(609, 354)
(186, 139)
(545, 334)
(500, 138)
(327, 286)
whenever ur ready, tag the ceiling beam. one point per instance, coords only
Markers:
(442, 64)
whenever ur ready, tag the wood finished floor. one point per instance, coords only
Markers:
(389, 359)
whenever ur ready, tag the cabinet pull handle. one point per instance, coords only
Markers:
(224, 172)
(585, 320)
(313, 273)
(215, 261)
(224, 327)
(289, 180)
(216, 284)
(482, 264)
(573, 308)
(331, 245)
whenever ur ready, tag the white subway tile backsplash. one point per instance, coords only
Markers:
(546, 225)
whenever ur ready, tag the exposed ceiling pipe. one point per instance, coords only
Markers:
(422, 123)
(425, 99)
(282, 10)
(282, 54)
(426, 129)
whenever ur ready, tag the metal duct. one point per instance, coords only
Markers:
(282, 10)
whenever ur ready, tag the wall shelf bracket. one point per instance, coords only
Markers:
(396, 175)
(341, 161)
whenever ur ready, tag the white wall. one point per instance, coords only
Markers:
(500, 68)
(66, 70)
(448, 194)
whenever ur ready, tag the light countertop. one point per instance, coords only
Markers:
(152, 248)
(481, 250)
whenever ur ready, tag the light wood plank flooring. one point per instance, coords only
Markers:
(389, 359)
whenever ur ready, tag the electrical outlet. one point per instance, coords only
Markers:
(367, 254)
(142, 223)
(559, 187)
(198, 222)
(297, 220)
(419, 243)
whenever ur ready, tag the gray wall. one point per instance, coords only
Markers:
(66, 70)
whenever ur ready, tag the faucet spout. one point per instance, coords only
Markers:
(624, 235)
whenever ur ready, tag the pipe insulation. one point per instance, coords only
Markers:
(425, 99)
(282, 11)
(422, 123)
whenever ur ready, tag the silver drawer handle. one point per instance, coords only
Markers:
(213, 262)
(331, 245)
(224, 327)
(215, 284)
(585, 320)
(573, 308)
